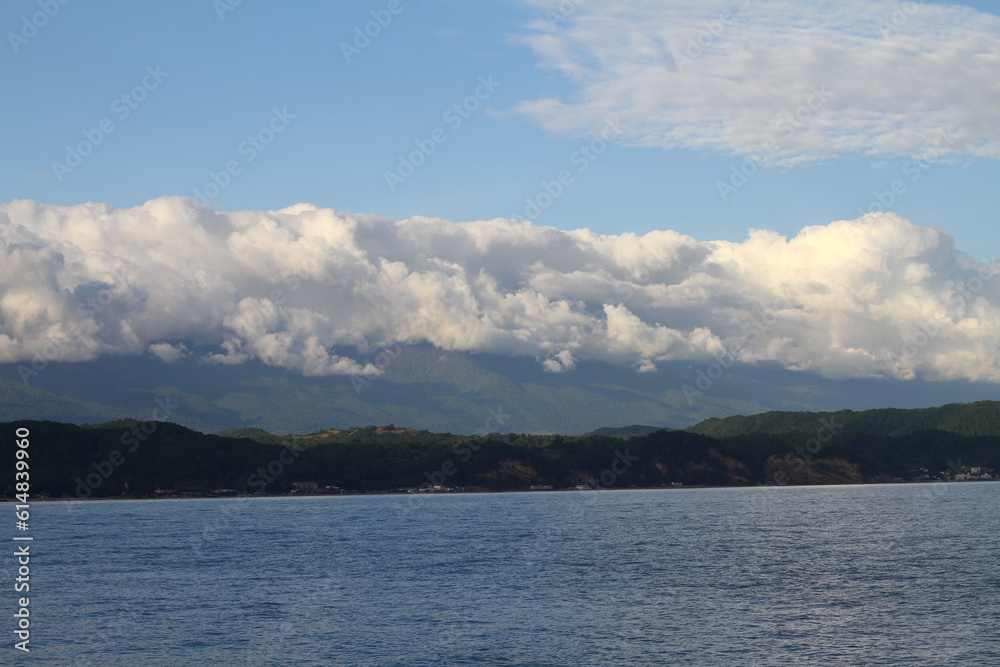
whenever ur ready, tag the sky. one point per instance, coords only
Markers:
(895, 75)
(636, 182)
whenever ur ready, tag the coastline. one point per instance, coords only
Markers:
(480, 491)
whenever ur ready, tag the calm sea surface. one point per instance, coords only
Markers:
(856, 575)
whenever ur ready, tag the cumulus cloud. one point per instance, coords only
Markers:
(786, 82)
(873, 297)
(168, 353)
(559, 362)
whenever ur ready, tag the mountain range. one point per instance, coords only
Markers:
(426, 388)
(134, 458)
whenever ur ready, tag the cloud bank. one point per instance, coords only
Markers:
(786, 82)
(877, 296)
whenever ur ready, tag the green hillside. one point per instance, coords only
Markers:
(141, 458)
(979, 418)
(625, 431)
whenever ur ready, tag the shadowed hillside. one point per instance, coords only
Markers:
(133, 458)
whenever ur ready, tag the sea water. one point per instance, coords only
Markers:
(852, 575)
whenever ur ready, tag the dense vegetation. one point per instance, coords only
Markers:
(128, 457)
(625, 431)
(979, 418)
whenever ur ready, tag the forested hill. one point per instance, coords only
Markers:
(625, 431)
(144, 459)
(980, 418)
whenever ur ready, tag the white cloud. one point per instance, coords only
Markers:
(789, 82)
(877, 296)
(168, 353)
(559, 362)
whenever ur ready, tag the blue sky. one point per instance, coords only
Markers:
(225, 76)
(705, 118)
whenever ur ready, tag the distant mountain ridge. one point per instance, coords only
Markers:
(440, 391)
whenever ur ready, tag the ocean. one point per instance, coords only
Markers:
(846, 575)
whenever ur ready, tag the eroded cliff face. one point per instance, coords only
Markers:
(510, 473)
(713, 468)
(818, 471)
(718, 466)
